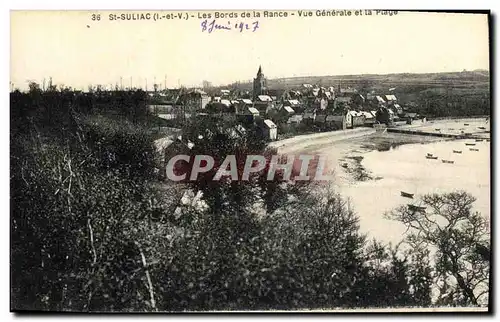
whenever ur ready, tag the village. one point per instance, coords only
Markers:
(279, 113)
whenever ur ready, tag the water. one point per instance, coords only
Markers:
(406, 169)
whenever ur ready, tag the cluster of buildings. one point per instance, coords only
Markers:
(326, 108)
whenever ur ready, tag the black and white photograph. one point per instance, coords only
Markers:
(325, 160)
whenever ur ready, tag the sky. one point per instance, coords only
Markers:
(77, 51)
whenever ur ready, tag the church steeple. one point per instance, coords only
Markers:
(259, 73)
(259, 84)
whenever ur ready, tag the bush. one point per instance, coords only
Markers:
(74, 232)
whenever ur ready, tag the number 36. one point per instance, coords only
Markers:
(96, 17)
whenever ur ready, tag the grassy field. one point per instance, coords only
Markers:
(464, 80)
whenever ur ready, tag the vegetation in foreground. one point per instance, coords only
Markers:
(91, 232)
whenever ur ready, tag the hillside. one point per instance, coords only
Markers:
(477, 78)
(434, 94)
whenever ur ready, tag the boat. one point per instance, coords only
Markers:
(438, 130)
(344, 165)
(448, 161)
(429, 154)
(471, 144)
(407, 195)
(431, 157)
(482, 128)
(416, 208)
(466, 124)
(479, 140)
(474, 149)
(455, 151)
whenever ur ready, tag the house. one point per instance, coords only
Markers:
(293, 103)
(357, 119)
(248, 116)
(398, 109)
(246, 101)
(253, 111)
(269, 130)
(242, 105)
(337, 119)
(225, 102)
(194, 100)
(281, 114)
(379, 100)
(264, 98)
(263, 103)
(392, 115)
(369, 118)
(410, 117)
(391, 99)
(289, 110)
(158, 109)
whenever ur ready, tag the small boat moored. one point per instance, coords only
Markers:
(344, 165)
(482, 128)
(455, 151)
(472, 149)
(448, 161)
(431, 157)
(470, 144)
(416, 208)
(430, 154)
(479, 140)
(466, 124)
(407, 195)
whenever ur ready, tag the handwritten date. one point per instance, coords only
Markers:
(210, 26)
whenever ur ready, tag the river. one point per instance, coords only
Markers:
(405, 168)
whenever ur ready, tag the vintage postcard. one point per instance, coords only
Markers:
(257, 160)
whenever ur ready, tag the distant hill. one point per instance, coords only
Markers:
(382, 82)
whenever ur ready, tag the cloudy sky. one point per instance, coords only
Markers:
(76, 51)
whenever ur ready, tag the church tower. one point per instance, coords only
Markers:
(259, 84)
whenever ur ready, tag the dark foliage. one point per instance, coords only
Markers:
(91, 230)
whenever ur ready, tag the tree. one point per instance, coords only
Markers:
(459, 240)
